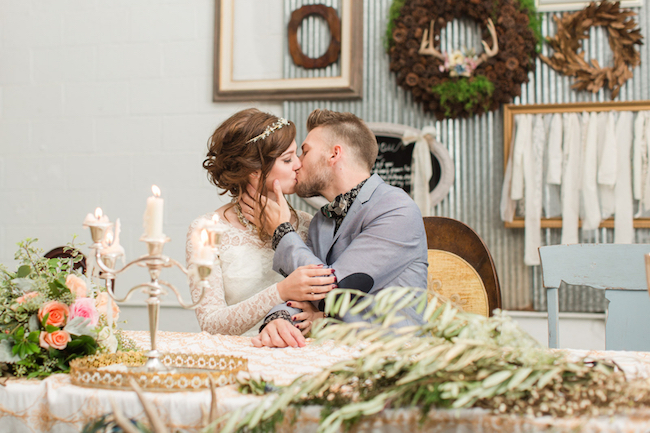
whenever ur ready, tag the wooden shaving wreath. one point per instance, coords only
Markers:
(461, 84)
(569, 59)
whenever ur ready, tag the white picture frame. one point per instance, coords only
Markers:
(348, 85)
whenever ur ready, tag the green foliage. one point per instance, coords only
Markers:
(393, 14)
(453, 360)
(470, 92)
(108, 424)
(534, 21)
(37, 281)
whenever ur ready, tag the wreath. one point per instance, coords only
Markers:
(568, 57)
(462, 83)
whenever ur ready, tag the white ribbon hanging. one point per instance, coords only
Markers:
(421, 169)
(645, 199)
(607, 165)
(623, 217)
(523, 143)
(571, 178)
(591, 219)
(534, 166)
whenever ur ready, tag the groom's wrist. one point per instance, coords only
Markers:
(279, 233)
(280, 314)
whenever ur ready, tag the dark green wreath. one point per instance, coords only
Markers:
(494, 82)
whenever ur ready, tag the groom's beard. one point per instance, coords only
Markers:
(316, 183)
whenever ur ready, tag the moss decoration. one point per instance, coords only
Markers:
(518, 32)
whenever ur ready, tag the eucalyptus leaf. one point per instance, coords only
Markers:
(24, 284)
(33, 324)
(6, 353)
(80, 326)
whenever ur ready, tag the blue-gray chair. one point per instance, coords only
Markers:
(619, 270)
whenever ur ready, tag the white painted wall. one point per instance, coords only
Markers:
(98, 101)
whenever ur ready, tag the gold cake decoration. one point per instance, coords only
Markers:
(187, 372)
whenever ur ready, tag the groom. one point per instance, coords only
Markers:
(371, 233)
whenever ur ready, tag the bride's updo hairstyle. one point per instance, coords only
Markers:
(240, 146)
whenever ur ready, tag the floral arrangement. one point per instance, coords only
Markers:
(459, 63)
(50, 314)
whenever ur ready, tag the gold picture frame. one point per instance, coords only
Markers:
(346, 86)
(509, 112)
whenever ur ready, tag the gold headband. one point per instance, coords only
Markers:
(269, 130)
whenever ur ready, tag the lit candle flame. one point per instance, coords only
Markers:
(155, 190)
(109, 239)
(204, 236)
(99, 213)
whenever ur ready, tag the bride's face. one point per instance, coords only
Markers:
(284, 169)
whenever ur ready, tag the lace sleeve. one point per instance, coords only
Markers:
(213, 313)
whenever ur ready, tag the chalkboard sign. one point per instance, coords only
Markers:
(394, 162)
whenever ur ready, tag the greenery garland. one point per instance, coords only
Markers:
(518, 29)
(454, 360)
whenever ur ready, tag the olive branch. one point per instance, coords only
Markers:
(453, 360)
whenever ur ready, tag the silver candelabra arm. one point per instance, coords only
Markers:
(154, 261)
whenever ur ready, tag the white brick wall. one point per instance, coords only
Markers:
(98, 101)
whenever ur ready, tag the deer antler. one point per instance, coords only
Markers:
(427, 46)
(489, 52)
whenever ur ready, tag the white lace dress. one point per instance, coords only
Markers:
(243, 285)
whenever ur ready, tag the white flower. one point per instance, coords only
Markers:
(106, 340)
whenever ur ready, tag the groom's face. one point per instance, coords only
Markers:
(315, 174)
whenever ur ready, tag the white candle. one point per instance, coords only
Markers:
(153, 215)
(112, 242)
(97, 219)
(205, 252)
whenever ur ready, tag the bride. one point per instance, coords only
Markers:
(252, 147)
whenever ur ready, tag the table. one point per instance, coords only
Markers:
(55, 405)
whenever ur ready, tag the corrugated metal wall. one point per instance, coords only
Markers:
(475, 144)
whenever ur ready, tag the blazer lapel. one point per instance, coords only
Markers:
(364, 195)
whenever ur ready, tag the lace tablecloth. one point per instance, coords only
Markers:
(55, 405)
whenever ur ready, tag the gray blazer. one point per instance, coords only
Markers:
(380, 243)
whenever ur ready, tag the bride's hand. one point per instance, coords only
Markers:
(308, 316)
(275, 213)
(307, 283)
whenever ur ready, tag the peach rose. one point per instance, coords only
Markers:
(102, 302)
(76, 286)
(26, 297)
(85, 307)
(58, 313)
(57, 339)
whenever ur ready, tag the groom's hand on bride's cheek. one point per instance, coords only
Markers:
(279, 333)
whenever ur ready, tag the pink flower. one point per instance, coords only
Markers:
(58, 313)
(102, 302)
(76, 285)
(26, 297)
(57, 339)
(85, 307)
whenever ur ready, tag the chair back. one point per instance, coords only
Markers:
(619, 270)
(65, 253)
(461, 266)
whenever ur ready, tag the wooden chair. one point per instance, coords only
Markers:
(461, 266)
(618, 269)
(64, 253)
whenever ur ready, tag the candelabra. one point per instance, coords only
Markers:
(155, 261)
